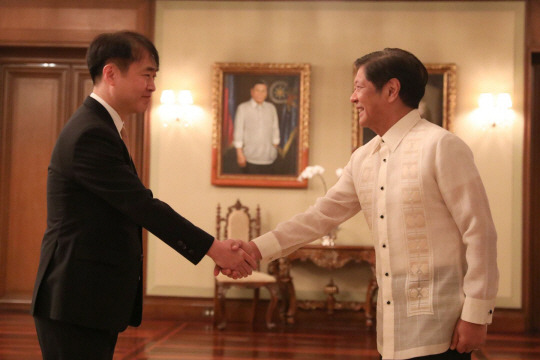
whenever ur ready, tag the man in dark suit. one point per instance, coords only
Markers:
(89, 281)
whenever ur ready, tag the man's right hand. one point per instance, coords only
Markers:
(229, 254)
(249, 247)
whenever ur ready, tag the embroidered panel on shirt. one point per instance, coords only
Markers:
(365, 192)
(419, 285)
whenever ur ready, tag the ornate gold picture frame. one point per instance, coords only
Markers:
(438, 104)
(288, 91)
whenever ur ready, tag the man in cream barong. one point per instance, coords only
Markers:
(421, 194)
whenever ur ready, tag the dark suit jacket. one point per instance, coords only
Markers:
(90, 270)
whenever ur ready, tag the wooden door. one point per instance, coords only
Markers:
(36, 97)
(33, 99)
(39, 90)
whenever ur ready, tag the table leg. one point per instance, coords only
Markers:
(369, 301)
(331, 289)
(281, 269)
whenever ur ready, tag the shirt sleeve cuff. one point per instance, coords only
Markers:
(478, 311)
(269, 246)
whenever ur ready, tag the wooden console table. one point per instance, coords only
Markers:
(328, 257)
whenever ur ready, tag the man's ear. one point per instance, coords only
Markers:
(109, 73)
(391, 89)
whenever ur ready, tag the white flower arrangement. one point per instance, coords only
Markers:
(312, 171)
(317, 171)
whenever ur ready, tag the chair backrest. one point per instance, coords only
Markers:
(238, 223)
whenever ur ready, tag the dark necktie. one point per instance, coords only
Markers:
(124, 135)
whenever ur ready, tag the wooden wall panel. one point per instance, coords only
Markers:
(82, 85)
(34, 106)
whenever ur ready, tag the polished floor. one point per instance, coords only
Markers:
(328, 339)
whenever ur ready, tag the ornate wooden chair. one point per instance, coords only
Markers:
(239, 224)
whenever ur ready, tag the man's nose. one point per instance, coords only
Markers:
(151, 84)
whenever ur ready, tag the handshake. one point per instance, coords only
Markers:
(234, 258)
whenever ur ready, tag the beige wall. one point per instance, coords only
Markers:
(484, 39)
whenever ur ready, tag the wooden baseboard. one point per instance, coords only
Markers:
(238, 310)
(16, 303)
(201, 309)
(15, 307)
(197, 309)
(177, 308)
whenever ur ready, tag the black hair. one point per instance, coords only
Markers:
(259, 82)
(381, 66)
(122, 48)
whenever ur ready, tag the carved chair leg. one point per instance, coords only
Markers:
(217, 313)
(256, 293)
(274, 291)
(220, 316)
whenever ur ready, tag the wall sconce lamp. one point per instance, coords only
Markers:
(176, 108)
(495, 110)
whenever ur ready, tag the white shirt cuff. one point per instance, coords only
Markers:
(269, 246)
(478, 311)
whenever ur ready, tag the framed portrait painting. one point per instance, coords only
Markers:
(437, 105)
(261, 124)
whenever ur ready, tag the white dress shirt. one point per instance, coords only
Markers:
(432, 230)
(256, 131)
(114, 114)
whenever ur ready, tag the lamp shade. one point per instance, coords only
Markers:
(185, 98)
(486, 101)
(504, 101)
(167, 97)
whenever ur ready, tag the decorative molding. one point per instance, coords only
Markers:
(70, 23)
(531, 170)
